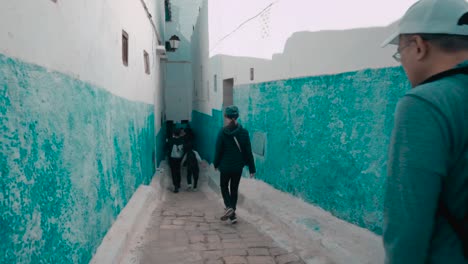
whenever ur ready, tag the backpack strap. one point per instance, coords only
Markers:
(237, 143)
(461, 70)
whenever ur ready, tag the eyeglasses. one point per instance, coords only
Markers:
(397, 55)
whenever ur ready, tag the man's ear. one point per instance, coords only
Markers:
(422, 48)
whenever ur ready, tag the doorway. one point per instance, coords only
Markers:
(228, 92)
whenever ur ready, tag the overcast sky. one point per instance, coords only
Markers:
(268, 32)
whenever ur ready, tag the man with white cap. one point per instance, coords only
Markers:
(426, 201)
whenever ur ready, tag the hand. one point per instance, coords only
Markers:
(252, 175)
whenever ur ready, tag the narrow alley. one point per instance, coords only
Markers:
(186, 228)
(273, 227)
(311, 104)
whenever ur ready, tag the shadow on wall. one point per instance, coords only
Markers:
(326, 135)
(179, 79)
(331, 52)
(161, 144)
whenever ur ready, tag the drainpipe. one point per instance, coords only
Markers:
(148, 14)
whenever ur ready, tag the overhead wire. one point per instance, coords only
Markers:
(244, 23)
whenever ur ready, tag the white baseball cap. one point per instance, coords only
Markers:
(433, 17)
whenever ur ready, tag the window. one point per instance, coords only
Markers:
(167, 8)
(215, 83)
(228, 92)
(124, 48)
(146, 61)
(251, 74)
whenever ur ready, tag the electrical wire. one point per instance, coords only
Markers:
(243, 23)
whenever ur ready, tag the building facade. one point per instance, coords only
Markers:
(81, 105)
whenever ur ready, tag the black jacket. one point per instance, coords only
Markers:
(228, 157)
(171, 142)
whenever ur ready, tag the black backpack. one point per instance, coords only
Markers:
(191, 160)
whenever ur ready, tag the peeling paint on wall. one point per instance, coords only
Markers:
(71, 156)
(326, 137)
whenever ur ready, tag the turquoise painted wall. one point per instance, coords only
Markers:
(326, 138)
(206, 129)
(71, 156)
(160, 143)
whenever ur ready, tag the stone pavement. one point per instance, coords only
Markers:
(186, 228)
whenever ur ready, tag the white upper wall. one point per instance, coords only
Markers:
(278, 41)
(84, 40)
(158, 14)
(201, 64)
(313, 54)
(179, 83)
(184, 17)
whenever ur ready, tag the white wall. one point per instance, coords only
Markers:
(83, 39)
(184, 17)
(316, 53)
(179, 85)
(178, 91)
(203, 95)
(303, 53)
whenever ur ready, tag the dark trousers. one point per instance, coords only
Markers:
(175, 171)
(195, 172)
(229, 188)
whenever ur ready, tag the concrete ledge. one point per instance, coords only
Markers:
(159, 184)
(316, 234)
(117, 238)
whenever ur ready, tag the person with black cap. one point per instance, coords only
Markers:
(426, 201)
(233, 152)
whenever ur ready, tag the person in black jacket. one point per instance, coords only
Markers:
(189, 135)
(233, 152)
(175, 152)
(191, 160)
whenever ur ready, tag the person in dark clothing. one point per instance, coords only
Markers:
(233, 152)
(175, 152)
(191, 160)
(189, 135)
(426, 197)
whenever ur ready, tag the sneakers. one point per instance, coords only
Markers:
(195, 189)
(189, 187)
(228, 213)
(233, 219)
(176, 190)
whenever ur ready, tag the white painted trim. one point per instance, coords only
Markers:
(116, 240)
